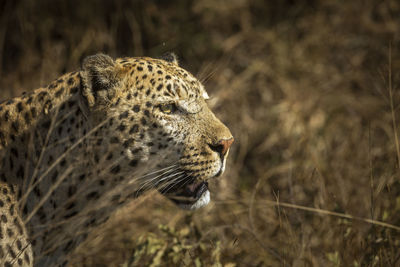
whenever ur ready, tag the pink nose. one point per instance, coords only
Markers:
(226, 144)
(222, 146)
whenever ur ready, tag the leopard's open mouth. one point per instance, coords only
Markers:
(190, 196)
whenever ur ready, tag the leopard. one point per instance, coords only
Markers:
(73, 152)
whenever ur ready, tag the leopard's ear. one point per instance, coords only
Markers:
(100, 75)
(170, 57)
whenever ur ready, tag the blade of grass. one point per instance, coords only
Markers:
(390, 88)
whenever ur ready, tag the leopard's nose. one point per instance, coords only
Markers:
(222, 146)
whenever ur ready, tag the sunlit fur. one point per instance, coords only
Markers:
(76, 150)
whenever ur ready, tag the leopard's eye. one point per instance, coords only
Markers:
(168, 108)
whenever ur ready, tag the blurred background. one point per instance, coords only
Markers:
(310, 91)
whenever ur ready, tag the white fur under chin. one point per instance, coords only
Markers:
(203, 201)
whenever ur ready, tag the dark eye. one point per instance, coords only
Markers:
(168, 108)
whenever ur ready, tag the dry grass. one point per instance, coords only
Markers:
(310, 92)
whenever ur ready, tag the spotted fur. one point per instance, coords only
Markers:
(72, 152)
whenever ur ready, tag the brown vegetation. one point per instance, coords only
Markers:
(310, 91)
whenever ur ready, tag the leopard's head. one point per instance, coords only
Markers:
(158, 113)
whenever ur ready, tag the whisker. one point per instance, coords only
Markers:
(145, 186)
(166, 187)
(151, 173)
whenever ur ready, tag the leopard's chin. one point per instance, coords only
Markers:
(199, 203)
(192, 196)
